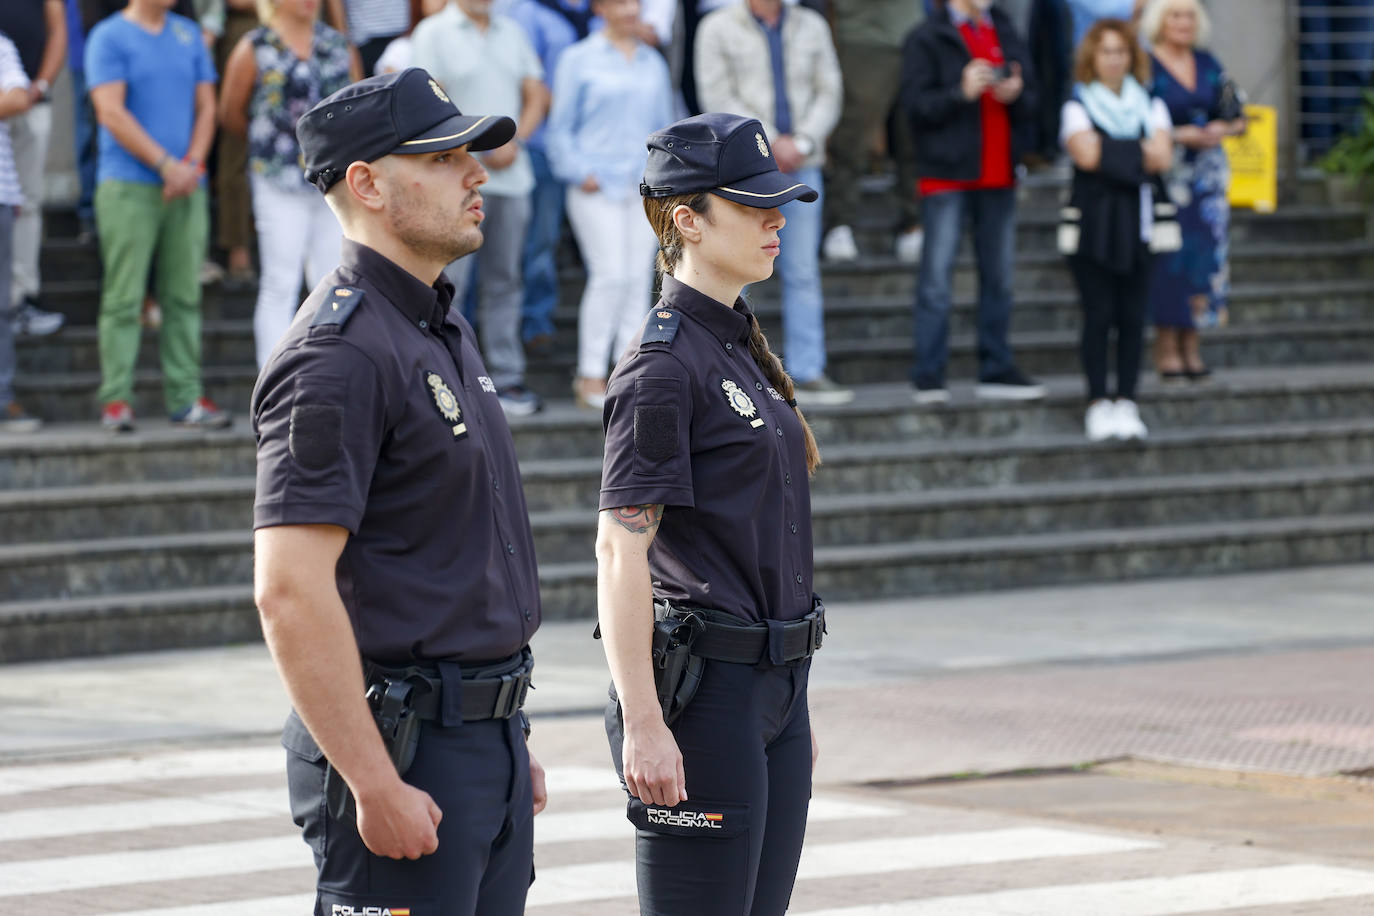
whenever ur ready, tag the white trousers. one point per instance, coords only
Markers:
(618, 247)
(29, 135)
(299, 238)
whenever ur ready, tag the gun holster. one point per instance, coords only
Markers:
(677, 672)
(390, 701)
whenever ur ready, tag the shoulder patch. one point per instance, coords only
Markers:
(338, 306)
(661, 327)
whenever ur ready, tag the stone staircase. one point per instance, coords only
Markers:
(141, 542)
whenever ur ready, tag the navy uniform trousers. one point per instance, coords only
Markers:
(732, 848)
(478, 774)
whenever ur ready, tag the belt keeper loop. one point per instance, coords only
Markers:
(817, 631)
(777, 645)
(451, 703)
(503, 708)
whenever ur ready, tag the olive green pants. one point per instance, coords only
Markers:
(136, 225)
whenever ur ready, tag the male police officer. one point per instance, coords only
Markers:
(390, 523)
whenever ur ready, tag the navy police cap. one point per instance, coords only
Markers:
(725, 154)
(404, 112)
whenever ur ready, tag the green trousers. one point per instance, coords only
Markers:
(136, 225)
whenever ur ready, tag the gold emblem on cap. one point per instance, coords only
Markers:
(438, 91)
(665, 315)
(446, 402)
(763, 147)
(741, 403)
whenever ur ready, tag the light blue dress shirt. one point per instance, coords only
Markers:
(604, 106)
(1086, 12)
(551, 34)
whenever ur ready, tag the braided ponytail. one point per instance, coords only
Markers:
(670, 247)
(782, 382)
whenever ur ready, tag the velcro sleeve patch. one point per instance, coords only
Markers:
(656, 436)
(316, 435)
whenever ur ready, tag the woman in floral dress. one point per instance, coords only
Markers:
(1190, 288)
(275, 74)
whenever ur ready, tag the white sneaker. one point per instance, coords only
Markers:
(839, 245)
(1128, 422)
(909, 244)
(1100, 421)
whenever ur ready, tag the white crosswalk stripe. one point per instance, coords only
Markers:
(1144, 897)
(889, 844)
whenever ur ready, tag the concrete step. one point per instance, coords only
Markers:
(193, 613)
(110, 565)
(129, 622)
(67, 396)
(914, 568)
(1045, 271)
(225, 505)
(76, 348)
(131, 509)
(860, 361)
(907, 466)
(884, 275)
(230, 343)
(1036, 228)
(80, 454)
(569, 536)
(68, 259)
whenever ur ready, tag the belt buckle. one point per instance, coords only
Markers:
(815, 632)
(511, 696)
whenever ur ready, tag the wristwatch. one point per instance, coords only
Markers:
(42, 86)
(805, 145)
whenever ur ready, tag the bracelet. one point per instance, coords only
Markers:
(162, 163)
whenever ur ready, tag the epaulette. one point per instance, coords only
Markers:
(661, 327)
(338, 306)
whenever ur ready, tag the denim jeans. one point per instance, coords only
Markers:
(7, 357)
(85, 143)
(798, 265)
(993, 214)
(541, 245)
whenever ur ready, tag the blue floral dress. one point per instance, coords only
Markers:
(1191, 288)
(286, 88)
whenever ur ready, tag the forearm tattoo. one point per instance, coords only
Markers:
(637, 519)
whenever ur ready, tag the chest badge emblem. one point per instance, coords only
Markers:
(741, 403)
(447, 404)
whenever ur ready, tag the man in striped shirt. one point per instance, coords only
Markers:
(14, 100)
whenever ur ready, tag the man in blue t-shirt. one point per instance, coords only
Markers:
(153, 87)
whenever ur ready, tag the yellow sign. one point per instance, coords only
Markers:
(1254, 157)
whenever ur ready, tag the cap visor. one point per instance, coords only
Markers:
(765, 190)
(476, 132)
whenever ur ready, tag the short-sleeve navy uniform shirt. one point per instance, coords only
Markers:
(693, 424)
(388, 425)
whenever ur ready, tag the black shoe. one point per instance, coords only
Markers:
(1010, 385)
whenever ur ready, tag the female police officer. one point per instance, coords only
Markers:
(705, 492)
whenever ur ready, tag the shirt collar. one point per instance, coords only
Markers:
(958, 19)
(730, 325)
(412, 298)
(782, 17)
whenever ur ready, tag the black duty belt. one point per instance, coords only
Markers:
(488, 691)
(777, 641)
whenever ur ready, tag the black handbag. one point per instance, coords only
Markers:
(1230, 104)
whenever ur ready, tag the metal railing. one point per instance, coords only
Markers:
(1334, 66)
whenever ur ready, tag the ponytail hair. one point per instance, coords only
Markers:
(670, 249)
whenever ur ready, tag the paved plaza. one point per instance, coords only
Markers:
(1193, 746)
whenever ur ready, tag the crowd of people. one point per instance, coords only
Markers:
(958, 96)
